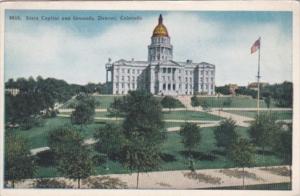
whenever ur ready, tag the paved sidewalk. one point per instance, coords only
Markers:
(184, 179)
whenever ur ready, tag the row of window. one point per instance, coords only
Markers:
(123, 78)
(168, 86)
(129, 86)
(129, 70)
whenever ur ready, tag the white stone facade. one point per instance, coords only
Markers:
(160, 75)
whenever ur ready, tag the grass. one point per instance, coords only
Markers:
(101, 101)
(280, 115)
(177, 115)
(236, 102)
(189, 115)
(275, 186)
(207, 156)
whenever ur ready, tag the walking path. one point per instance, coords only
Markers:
(184, 179)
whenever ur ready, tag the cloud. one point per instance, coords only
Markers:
(56, 51)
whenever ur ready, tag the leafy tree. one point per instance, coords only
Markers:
(76, 162)
(74, 159)
(283, 147)
(267, 100)
(63, 138)
(191, 137)
(116, 108)
(144, 131)
(225, 90)
(110, 140)
(195, 101)
(140, 155)
(170, 102)
(263, 130)
(84, 111)
(226, 134)
(19, 163)
(242, 155)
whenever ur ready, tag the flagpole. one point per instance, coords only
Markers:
(258, 78)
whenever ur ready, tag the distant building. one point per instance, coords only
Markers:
(254, 85)
(160, 75)
(12, 91)
(232, 88)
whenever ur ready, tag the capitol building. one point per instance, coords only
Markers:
(160, 74)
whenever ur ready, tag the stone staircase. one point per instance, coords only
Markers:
(186, 101)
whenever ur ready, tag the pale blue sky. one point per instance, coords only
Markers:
(77, 51)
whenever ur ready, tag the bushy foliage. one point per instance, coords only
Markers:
(226, 134)
(84, 110)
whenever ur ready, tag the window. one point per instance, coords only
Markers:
(206, 86)
(164, 70)
(212, 86)
(191, 79)
(179, 86)
(163, 78)
(212, 72)
(117, 70)
(138, 71)
(168, 78)
(133, 85)
(206, 79)
(128, 78)
(173, 86)
(169, 70)
(179, 78)
(117, 78)
(122, 86)
(117, 85)
(133, 78)
(201, 86)
(164, 86)
(201, 79)
(206, 72)
(212, 79)
(128, 85)
(186, 72)
(179, 71)
(186, 86)
(191, 86)
(169, 86)
(122, 78)
(186, 79)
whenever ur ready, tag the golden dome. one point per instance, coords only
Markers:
(160, 30)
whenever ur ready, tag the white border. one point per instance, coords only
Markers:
(166, 5)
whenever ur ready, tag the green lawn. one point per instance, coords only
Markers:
(207, 156)
(101, 101)
(236, 102)
(280, 115)
(189, 115)
(177, 115)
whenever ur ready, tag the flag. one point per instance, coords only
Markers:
(255, 46)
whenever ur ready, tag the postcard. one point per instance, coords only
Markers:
(150, 98)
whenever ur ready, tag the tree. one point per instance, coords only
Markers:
(226, 134)
(169, 102)
(191, 137)
(116, 107)
(195, 101)
(19, 164)
(144, 131)
(76, 163)
(283, 147)
(84, 111)
(263, 130)
(140, 155)
(110, 140)
(225, 90)
(267, 100)
(242, 155)
(62, 138)
(74, 159)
